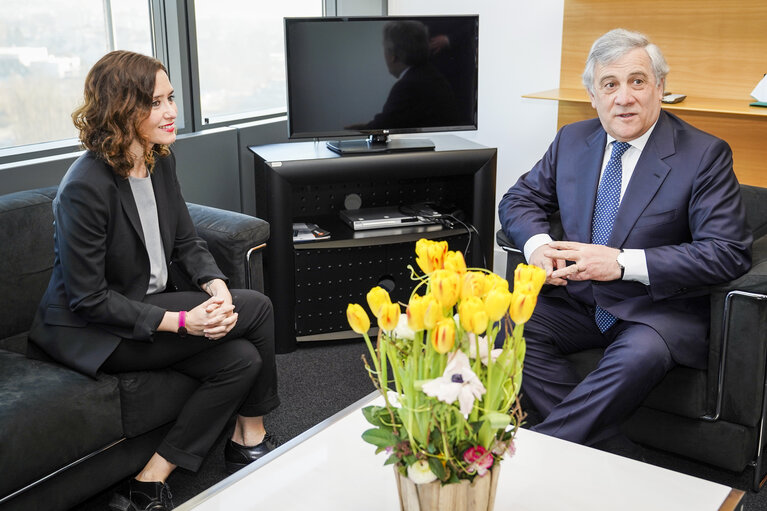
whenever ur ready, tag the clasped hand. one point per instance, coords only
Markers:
(213, 318)
(588, 262)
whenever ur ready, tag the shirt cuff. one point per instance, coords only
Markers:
(636, 266)
(533, 243)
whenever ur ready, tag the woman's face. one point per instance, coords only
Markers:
(160, 126)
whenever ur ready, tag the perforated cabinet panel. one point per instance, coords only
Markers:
(327, 280)
(328, 198)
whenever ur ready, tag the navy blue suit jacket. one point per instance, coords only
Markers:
(101, 267)
(682, 206)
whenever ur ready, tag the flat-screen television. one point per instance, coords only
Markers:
(375, 76)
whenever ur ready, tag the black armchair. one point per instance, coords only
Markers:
(717, 415)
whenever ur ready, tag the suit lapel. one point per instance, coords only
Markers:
(590, 165)
(648, 176)
(129, 205)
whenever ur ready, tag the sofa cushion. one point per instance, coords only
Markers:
(51, 416)
(26, 228)
(150, 399)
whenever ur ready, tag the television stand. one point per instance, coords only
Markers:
(377, 145)
(311, 284)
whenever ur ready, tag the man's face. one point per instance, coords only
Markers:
(626, 97)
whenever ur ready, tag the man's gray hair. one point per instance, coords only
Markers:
(615, 44)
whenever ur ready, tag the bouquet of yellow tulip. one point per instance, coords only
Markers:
(456, 410)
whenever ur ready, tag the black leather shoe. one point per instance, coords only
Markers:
(237, 456)
(142, 496)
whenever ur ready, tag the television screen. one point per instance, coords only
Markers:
(381, 75)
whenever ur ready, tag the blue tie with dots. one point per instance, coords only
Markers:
(605, 210)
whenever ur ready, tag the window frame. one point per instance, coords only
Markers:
(174, 39)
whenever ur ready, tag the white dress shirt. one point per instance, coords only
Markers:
(635, 261)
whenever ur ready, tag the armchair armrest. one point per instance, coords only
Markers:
(738, 343)
(514, 255)
(236, 241)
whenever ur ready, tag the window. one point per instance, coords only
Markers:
(47, 48)
(241, 56)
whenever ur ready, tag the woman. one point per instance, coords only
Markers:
(119, 220)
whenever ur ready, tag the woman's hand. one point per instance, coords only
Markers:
(213, 318)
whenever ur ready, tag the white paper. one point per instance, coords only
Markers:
(760, 91)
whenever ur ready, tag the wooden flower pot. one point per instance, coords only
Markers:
(478, 495)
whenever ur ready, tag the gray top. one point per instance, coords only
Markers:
(143, 194)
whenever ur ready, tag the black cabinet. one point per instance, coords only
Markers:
(310, 284)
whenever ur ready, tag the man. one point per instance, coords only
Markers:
(652, 214)
(421, 96)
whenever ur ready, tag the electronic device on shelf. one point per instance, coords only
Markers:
(342, 82)
(382, 217)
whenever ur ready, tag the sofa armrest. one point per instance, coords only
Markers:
(236, 242)
(738, 316)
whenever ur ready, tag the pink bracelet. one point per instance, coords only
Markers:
(182, 323)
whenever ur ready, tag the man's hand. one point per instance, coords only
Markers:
(540, 258)
(590, 262)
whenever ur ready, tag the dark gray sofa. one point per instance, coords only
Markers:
(65, 436)
(718, 415)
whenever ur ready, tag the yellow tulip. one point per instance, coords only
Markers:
(389, 317)
(494, 281)
(430, 254)
(497, 303)
(445, 286)
(523, 301)
(358, 318)
(454, 261)
(416, 309)
(444, 335)
(473, 315)
(432, 312)
(526, 273)
(472, 284)
(377, 299)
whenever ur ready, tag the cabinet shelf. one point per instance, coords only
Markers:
(343, 236)
(690, 104)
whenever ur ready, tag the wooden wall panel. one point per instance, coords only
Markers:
(717, 51)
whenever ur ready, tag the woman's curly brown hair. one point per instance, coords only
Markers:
(118, 96)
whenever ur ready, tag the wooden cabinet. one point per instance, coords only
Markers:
(717, 52)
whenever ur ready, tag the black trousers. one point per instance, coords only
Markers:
(238, 373)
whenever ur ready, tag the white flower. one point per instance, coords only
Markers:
(403, 330)
(420, 473)
(457, 382)
(482, 349)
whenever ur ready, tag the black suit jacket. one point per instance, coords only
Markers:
(101, 267)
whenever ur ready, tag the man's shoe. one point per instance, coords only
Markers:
(236, 456)
(142, 496)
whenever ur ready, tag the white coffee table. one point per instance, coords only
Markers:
(329, 467)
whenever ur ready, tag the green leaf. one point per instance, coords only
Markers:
(497, 420)
(380, 438)
(436, 466)
(373, 414)
(391, 460)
